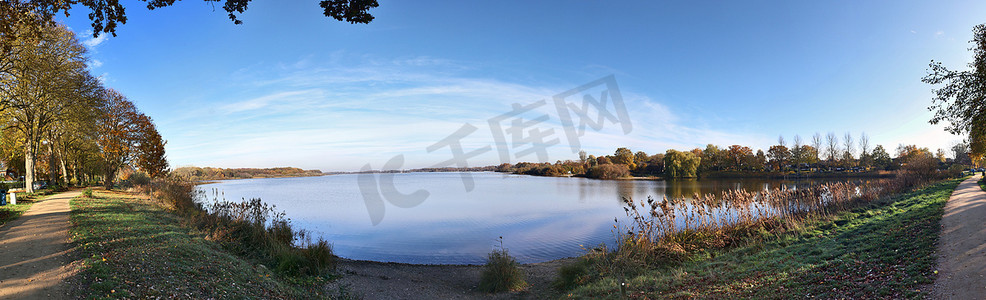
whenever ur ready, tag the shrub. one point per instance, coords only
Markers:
(135, 180)
(545, 170)
(608, 171)
(177, 195)
(87, 193)
(501, 273)
(289, 263)
(318, 255)
(572, 275)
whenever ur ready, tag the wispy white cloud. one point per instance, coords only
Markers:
(95, 63)
(92, 42)
(279, 100)
(339, 116)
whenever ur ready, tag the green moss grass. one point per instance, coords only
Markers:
(133, 248)
(883, 250)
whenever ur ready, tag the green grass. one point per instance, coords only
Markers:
(133, 248)
(884, 250)
(11, 212)
(24, 201)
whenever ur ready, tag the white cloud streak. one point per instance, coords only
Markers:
(337, 117)
(92, 42)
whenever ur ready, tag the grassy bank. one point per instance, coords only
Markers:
(881, 250)
(11, 212)
(24, 201)
(133, 248)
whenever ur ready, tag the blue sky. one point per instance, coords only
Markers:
(290, 87)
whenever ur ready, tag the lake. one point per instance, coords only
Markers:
(538, 218)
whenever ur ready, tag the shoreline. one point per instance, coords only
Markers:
(778, 176)
(217, 180)
(363, 261)
(718, 175)
(380, 280)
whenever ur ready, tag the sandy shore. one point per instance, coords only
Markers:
(376, 280)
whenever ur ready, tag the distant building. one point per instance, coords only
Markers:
(6, 172)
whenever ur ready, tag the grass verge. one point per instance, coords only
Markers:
(24, 201)
(11, 212)
(882, 250)
(133, 248)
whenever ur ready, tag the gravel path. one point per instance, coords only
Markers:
(35, 254)
(962, 247)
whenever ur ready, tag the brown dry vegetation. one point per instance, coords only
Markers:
(667, 233)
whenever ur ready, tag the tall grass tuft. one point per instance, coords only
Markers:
(501, 273)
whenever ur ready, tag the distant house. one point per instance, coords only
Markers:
(6, 172)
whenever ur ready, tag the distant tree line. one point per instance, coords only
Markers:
(207, 173)
(828, 154)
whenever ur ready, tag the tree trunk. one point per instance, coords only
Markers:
(52, 175)
(108, 181)
(29, 166)
(64, 170)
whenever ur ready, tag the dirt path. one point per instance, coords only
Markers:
(962, 247)
(35, 254)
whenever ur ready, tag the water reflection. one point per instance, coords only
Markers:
(540, 218)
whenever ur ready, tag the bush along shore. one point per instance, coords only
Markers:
(170, 245)
(874, 240)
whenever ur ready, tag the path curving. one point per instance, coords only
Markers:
(962, 245)
(35, 254)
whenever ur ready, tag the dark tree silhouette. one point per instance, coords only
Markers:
(107, 14)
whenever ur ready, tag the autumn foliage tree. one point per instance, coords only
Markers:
(46, 83)
(778, 157)
(151, 157)
(128, 137)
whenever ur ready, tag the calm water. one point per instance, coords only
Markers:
(539, 218)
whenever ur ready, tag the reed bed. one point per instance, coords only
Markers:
(671, 229)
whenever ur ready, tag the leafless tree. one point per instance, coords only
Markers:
(816, 141)
(847, 154)
(848, 142)
(833, 146)
(864, 144)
